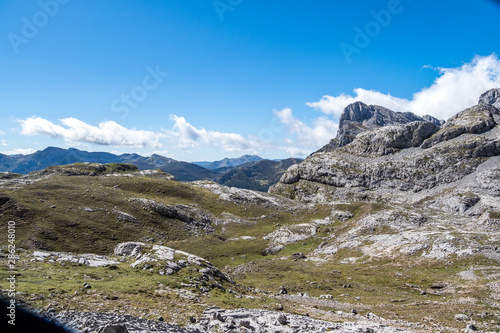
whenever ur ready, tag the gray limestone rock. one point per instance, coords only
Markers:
(114, 329)
(475, 120)
(128, 249)
(194, 218)
(390, 139)
(165, 260)
(359, 117)
(491, 97)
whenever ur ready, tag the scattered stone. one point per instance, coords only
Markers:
(438, 285)
(273, 249)
(116, 328)
(283, 291)
(471, 327)
(462, 317)
(111, 298)
(240, 320)
(218, 316)
(282, 319)
(298, 255)
(246, 324)
(87, 285)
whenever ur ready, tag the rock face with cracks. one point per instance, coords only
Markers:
(359, 117)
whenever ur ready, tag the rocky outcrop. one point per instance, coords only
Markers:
(167, 261)
(291, 234)
(359, 117)
(390, 139)
(194, 218)
(246, 197)
(434, 121)
(88, 259)
(132, 249)
(491, 97)
(478, 119)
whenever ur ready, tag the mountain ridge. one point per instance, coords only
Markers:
(229, 162)
(359, 117)
(183, 171)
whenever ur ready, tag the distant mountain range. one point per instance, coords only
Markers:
(248, 171)
(257, 175)
(229, 162)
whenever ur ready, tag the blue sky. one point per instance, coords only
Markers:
(202, 80)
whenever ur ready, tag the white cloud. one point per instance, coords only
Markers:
(4, 143)
(454, 90)
(186, 136)
(297, 152)
(108, 133)
(314, 137)
(20, 151)
(2, 132)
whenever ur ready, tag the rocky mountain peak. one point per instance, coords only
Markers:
(357, 111)
(359, 117)
(492, 97)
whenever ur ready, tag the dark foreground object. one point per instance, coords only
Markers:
(25, 321)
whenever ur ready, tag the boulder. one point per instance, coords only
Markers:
(131, 249)
(115, 328)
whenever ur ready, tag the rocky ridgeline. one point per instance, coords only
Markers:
(14, 180)
(359, 117)
(247, 197)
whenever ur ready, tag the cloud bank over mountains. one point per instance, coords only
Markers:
(453, 90)
(107, 133)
